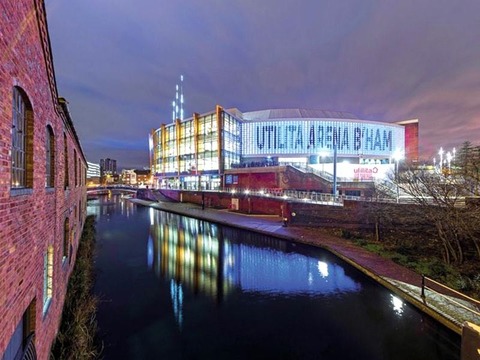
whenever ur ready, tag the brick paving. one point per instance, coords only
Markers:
(403, 281)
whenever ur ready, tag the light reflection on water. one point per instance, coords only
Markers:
(204, 257)
(176, 287)
(207, 258)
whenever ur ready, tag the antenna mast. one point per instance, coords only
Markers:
(177, 103)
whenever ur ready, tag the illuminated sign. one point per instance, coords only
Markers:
(314, 136)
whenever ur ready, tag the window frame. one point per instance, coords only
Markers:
(66, 240)
(65, 155)
(22, 141)
(47, 279)
(49, 157)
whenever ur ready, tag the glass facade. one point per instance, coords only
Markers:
(194, 153)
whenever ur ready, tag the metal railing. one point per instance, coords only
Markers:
(297, 195)
(469, 304)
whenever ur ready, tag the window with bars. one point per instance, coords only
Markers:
(65, 155)
(75, 167)
(22, 135)
(21, 343)
(49, 157)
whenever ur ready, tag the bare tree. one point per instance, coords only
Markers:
(441, 194)
(392, 221)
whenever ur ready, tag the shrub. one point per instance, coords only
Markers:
(76, 338)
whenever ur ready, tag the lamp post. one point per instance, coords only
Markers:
(334, 170)
(440, 152)
(397, 156)
(449, 159)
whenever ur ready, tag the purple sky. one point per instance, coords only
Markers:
(117, 62)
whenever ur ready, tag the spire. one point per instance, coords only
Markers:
(177, 103)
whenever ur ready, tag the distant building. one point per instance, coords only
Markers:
(108, 171)
(128, 177)
(108, 167)
(136, 177)
(93, 174)
(42, 186)
(144, 177)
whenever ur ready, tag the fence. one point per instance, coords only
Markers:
(451, 299)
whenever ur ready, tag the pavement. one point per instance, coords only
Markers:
(449, 308)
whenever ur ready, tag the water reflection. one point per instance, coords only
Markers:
(207, 258)
(174, 287)
(397, 304)
(109, 204)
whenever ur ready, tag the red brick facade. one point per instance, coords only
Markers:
(33, 217)
(411, 140)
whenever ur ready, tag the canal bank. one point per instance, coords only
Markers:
(400, 280)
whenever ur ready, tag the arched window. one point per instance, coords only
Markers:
(65, 155)
(49, 158)
(22, 140)
(66, 238)
(75, 166)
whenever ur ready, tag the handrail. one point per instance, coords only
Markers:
(465, 297)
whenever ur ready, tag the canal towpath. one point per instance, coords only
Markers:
(404, 282)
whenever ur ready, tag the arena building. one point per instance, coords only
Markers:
(278, 148)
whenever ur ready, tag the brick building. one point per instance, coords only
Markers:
(42, 184)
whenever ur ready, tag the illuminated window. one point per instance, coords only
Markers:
(49, 157)
(47, 279)
(22, 139)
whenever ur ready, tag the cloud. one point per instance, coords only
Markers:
(117, 62)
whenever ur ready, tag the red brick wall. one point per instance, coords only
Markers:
(257, 180)
(411, 142)
(294, 179)
(279, 178)
(352, 215)
(30, 222)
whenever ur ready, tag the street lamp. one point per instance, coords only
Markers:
(397, 156)
(334, 170)
(440, 152)
(449, 159)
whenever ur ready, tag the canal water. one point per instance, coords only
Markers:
(173, 287)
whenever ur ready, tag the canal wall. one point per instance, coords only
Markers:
(352, 216)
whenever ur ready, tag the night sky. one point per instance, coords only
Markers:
(117, 63)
